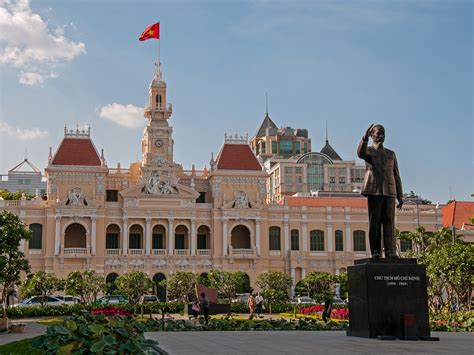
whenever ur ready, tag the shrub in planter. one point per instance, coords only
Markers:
(88, 333)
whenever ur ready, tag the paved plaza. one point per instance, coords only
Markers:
(304, 342)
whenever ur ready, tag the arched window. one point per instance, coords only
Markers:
(359, 240)
(112, 237)
(405, 245)
(338, 236)
(159, 101)
(135, 237)
(36, 240)
(203, 238)
(240, 237)
(316, 240)
(295, 239)
(75, 236)
(110, 282)
(158, 238)
(159, 286)
(274, 233)
(181, 237)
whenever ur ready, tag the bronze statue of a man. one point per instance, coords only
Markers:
(382, 185)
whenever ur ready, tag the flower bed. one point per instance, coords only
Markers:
(339, 313)
(111, 311)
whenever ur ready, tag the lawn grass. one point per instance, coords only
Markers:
(50, 321)
(20, 347)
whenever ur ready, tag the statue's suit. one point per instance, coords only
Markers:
(382, 184)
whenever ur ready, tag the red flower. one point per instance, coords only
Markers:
(111, 311)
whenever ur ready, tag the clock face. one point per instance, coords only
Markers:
(159, 143)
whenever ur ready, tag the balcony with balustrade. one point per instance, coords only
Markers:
(181, 252)
(203, 252)
(242, 252)
(113, 252)
(158, 252)
(75, 252)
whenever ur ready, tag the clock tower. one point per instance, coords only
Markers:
(159, 171)
(157, 141)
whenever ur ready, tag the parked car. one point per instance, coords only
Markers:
(303, 300)
(69, 300)
(337, 300)
(36, 301)
(241, 298)
(149, 299)
(112, 299)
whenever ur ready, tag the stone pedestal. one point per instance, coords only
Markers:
(388, 299)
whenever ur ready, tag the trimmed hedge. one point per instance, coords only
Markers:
(68, 310)
(154, 307)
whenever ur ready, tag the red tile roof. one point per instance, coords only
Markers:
(77, 151)
(237, 157)
(326, 201)
(458, 213)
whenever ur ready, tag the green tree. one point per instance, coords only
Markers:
(12, 260)
(86, 285)
(226, 282)
(449, 264)
(341, 279)
(182, 285)
(320, 285)
(450, 270)
(275, 286)
(133, 285)
(17, 195)
(42, 284)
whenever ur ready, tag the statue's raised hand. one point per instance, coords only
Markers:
(367, 133)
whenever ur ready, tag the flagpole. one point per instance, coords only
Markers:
(159, 45)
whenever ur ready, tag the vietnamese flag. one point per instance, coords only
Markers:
(152, 31)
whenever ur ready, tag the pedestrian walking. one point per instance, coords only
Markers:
(204, 304)
(259, 305)
(196, 309)
(251, 305)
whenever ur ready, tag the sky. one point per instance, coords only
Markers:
(405, 64)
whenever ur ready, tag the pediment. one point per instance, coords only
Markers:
(179, 192)
(76, 198)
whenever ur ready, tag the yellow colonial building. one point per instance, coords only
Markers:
(159, 218)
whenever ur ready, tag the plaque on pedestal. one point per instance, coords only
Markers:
(387, 299)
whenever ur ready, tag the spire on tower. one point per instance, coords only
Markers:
(266, 102)
(327, 140)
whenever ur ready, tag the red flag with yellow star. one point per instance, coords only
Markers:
(152, 31)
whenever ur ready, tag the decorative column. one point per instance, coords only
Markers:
(257, 235)
(57, 236)
(125, 236)
(170, 236)
(348, 237)
(304, 235)
(148, 236)
(286, 229)
(93, 235)
(224, 237)
(193, 237)
(330, 237)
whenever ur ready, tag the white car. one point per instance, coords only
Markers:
(69, 300)
(36, 301)
(303, 300)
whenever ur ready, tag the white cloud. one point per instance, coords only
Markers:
(124, 115)
(27, 43)
(20, 133)
(33, 79)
